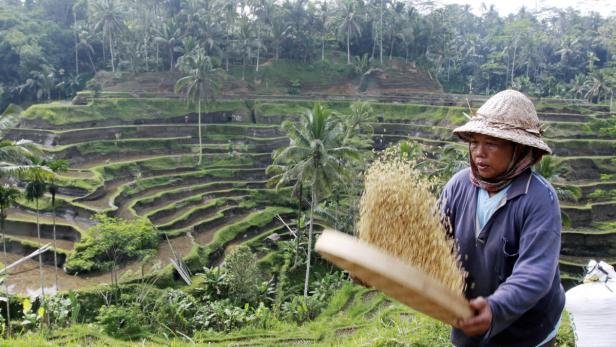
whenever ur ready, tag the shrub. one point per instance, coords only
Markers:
(111, 241)
(243, 276)
(300, 309)
(215, 284)
(175, 310)
(120, 321)
(59, 310)
(221, 315)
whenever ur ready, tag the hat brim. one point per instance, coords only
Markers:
(514, 135)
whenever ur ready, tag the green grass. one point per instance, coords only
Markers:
(121, 109)
(103, 147)
(159, 195)
(431, 115)
(275, 76)
(226, 234)
(354, 316)
(189, 213)
(152, 182)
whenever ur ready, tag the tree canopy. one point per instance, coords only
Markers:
(50, 47)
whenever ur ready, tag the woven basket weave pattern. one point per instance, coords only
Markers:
(508, 115)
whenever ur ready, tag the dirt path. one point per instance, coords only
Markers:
(25, 278)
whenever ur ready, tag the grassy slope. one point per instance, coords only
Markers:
(125, 109)
(355, 316)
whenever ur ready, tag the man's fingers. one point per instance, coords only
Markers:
(479, 323)
(478, 303)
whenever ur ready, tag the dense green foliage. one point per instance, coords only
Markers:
(49, 48)
(111, 241)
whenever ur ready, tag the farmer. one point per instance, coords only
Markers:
(506, 220)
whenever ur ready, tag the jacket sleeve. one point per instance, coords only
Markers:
(534, 270)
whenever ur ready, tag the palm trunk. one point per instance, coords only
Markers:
(515, 48)
(199, 121)
(157, 56)
(243, 67)
(76, 42)
(306, 281)
(299, 225)
(322, 47)
(38, 234)
(145, 49)
(6, 285)
(391, 49)
(258, 46)
(111, 53)
(348, 45)
(92, 62)
(381, 34)
(170, 59)
(55, 253)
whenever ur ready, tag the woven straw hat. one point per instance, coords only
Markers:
(508, 115)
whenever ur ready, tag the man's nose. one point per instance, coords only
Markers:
(479, 151)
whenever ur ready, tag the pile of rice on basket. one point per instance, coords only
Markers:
(399, 214)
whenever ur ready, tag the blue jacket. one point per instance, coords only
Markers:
(514, 260)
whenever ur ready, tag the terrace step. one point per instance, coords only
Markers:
(178, 209)
(151, 205)
(585, 215)
(123, 132)
(198, 213)
(588, 243)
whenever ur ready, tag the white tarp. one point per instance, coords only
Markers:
(592, 307)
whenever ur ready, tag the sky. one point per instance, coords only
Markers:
(505, 7)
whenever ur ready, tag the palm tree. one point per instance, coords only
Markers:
(8, 195)
(37, 178)
(315, 158)
(348, 24)
(169, 35)
(57, 165)
(358, 125)
(109, 19)
(597, 85)
(84, 43)
(201, 83)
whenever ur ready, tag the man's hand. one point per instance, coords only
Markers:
(481, 322)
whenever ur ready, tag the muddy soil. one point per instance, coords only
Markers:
(28, 229)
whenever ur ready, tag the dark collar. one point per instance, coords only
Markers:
(520, 184)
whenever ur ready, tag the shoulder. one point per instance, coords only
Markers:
(457, 185)
(541, 191)
(462, 177)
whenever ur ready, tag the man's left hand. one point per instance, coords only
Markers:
(481, 322)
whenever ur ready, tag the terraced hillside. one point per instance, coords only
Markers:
(132, 157)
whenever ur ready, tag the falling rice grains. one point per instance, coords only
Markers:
(399, 214)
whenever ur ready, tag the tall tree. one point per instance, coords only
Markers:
(200, 84)
(108, 18)
(314, 158)
(169, 35)
(37, 178)
(8, 195)
(348, 24)
(57, 165)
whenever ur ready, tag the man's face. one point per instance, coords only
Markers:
(491, 155)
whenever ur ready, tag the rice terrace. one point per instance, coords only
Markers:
(174, 162)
